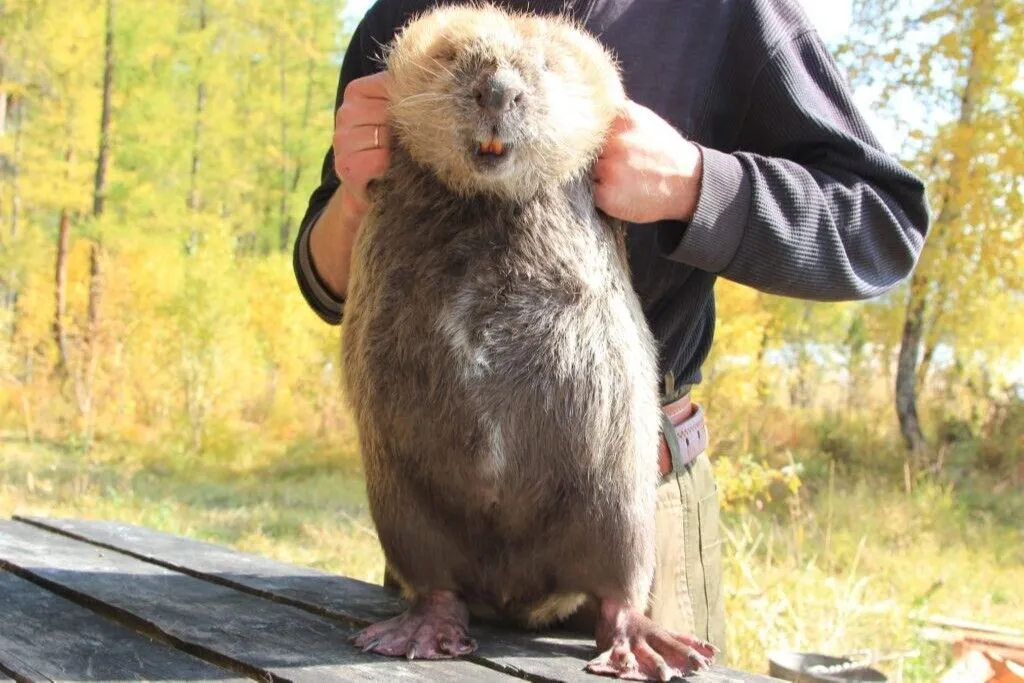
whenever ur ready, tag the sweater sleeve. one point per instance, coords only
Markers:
(808, 205)
(357, 62)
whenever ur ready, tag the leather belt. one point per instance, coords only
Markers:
(686, 419)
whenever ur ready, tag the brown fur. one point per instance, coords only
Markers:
(495, 355)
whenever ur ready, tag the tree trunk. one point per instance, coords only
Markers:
(906, 369)
(800, 392)
(855, 344)
(197, 133)
(913, 326)
(284, 222)
(197, 129)
(10, 118)
(103, 159)
(17, 113)
(194, 197)
(763, 388)
(926, 363)
(6, 99)
(61, 282)
(96, 250)
(92, 334)
(286, 230)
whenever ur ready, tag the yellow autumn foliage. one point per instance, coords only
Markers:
(220, 118)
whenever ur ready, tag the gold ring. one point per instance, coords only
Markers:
(376, 137)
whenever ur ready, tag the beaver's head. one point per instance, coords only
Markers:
(501, 103)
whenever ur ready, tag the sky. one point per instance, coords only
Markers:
(832, 19)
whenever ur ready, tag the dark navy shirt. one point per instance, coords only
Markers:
(797, 198)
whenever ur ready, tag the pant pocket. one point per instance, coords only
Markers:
(670, 603)
(709, 526)
(711, 548)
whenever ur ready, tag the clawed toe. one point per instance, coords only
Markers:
(638, 649)
(435, 627)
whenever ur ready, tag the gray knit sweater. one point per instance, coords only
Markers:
(798, 198)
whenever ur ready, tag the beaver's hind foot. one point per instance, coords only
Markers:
(635, 648)
(434, 627)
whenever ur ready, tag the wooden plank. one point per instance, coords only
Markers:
(46, 637)
(265, 639)
(355, 602)
(553, 656)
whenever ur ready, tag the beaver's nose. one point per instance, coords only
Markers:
(499, 92)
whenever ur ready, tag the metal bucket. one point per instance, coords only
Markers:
(811, 667)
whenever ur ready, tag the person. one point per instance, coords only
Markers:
(740, 155)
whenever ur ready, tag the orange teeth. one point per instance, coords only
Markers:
(492, 146)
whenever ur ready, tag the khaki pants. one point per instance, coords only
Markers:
(687, 595)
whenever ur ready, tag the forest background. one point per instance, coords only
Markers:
(158, 365)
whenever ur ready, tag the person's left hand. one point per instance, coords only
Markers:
(647, 171)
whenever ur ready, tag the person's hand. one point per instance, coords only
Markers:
(361, 136)
(647, 171)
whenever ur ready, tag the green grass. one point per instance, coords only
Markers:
(837, 569)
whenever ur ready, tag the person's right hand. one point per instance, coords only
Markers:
(361, 135)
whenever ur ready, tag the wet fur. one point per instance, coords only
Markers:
(495, 356)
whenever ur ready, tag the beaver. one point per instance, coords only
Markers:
(495, 357)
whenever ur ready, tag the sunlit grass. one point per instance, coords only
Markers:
(852, 568)
(838, 569)
(302, 504)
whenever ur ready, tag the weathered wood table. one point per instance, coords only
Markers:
(86, 601)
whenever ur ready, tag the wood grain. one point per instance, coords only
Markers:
(46, 637)
(231, 628)
(551, 656)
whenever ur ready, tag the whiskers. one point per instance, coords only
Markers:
(419, 99)
(425, 97)
(435, 67)
(440, 66)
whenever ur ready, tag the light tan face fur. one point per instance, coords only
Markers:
(567, 94)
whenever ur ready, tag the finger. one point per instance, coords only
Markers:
(634, 111)
(623, 122)
(605, 162)
(667, 639)
(360, 139)
(362, 166)
(376, 163)
(605, 173)
(614, 147)
(374, 87)
(359, 169)
(365, 163)
(651, 662)
(605, 199)
(361, 110)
